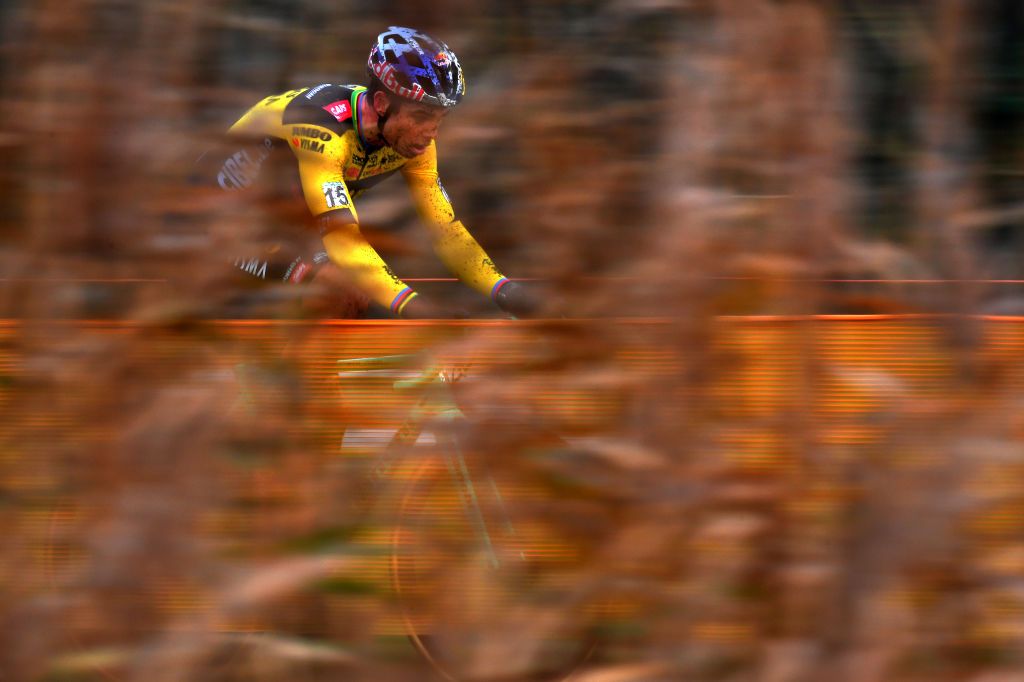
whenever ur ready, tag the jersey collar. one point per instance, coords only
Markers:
(357, 99)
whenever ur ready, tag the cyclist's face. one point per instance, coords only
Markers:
(412, 128)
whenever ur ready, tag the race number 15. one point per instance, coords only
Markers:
(335, 195)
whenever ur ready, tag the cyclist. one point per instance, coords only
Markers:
(344, 139)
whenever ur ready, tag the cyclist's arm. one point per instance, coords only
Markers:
(349, 250)
(453, 243)
(330, 201)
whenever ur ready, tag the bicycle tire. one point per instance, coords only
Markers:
(473, 618)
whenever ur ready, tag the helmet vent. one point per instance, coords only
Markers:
(443, 78)
(414, 60)
(427, 84)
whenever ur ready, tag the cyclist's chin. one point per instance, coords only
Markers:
(410, 151)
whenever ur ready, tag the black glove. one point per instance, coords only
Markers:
(517, 300)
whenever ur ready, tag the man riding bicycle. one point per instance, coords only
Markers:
(344, 139)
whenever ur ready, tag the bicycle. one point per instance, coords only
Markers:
(482, 567)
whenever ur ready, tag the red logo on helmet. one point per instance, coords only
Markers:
(341, 110)
(441, 59)
(386, 73)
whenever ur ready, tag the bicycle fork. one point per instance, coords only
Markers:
(469, 494)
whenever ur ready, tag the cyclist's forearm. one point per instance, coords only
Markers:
(465, 258)
(349, 250)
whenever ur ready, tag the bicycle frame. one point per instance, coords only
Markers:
(493, 541)
(436, 405)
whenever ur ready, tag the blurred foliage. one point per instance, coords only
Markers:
(778, 498)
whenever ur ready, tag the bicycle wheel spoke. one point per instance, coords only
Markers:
(474, 618)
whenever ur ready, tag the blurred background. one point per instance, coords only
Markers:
(792, 232)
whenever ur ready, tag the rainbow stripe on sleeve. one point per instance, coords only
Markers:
(497, 286)
(403, 298)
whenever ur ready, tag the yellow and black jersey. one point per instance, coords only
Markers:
(335, 165)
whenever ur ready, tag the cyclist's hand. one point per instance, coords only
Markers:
(420, 308)
(518, 300)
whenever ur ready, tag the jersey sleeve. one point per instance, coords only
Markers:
(348, 249)
(428, 193)
(454, 245)
(264, 118)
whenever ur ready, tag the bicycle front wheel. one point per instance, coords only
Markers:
(486, 571)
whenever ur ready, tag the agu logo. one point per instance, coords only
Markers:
(443, 193)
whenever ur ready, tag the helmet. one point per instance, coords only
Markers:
(413, 65)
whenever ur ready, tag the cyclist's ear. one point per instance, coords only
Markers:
(382, 103)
